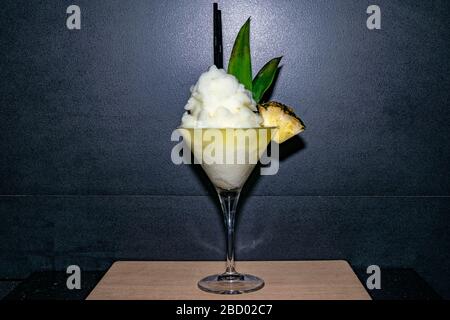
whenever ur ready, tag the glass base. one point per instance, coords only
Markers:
(235, 283)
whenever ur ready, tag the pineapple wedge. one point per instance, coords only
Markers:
(276, 114)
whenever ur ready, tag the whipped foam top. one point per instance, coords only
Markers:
(218, 100)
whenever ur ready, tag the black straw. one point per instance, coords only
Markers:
(218, 49)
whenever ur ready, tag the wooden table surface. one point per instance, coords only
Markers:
(284, 280)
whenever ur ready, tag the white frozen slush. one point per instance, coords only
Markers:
(218, 100)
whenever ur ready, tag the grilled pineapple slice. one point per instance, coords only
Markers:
(276, 114)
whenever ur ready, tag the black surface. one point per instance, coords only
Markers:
(397, 284)
(86, 114)
(52, 286)
(6, 286)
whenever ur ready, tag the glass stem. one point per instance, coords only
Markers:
(228, 201)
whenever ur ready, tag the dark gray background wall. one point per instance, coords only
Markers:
(86, 118)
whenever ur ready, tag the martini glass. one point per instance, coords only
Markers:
(228, 156)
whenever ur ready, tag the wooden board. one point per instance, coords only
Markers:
(284, 280)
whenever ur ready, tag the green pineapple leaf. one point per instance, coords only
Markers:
(264, 78)
(240, 64)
